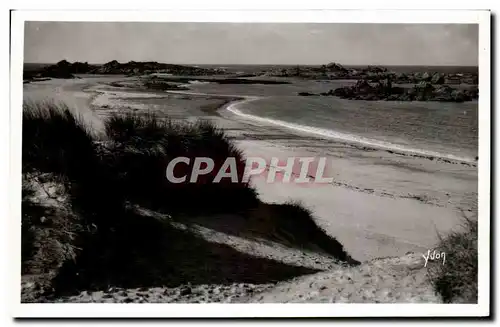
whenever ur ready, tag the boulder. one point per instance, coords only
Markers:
(458, 96)
(423, 85)
(443, 93)
(426, 76)
(335, 67)
(437, 78)
(60, 70)
(363, 86)
(63, 63)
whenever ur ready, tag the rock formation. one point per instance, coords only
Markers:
(65, 69)
(423, 91)
(333, 71)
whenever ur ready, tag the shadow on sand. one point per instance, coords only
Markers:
(146, 252)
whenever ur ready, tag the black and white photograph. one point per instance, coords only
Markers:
(191, 161)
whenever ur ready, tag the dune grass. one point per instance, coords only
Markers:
(54, 140)
(456, 279)
(105, 180)
(59, 150)
(57, 142)
(144, 145)
(58, 146)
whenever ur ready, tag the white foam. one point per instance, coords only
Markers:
(349, 138)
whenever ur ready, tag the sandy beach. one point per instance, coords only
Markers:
(380, 204)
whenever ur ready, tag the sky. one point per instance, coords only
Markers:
(245, 43)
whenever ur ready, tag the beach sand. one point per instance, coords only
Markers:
(380, 204)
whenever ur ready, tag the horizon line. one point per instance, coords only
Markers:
(260, 64)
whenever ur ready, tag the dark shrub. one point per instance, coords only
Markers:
(456, 279)
(143, 147)
(57, 142)
(54, 140)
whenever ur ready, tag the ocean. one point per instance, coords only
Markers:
(394, 68)
(446, 130)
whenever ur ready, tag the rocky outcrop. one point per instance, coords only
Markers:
(334, 67)
(333, 71)
(423, 91)
(140, 68)
(437, 78)
(65, 69)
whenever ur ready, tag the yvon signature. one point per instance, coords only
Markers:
(434, 256)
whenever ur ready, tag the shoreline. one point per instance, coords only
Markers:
(361, 142)
(350, 139)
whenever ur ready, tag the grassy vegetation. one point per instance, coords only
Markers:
(60, 152)
(54, 140)
(94, 238)
(57, 149)
(144, 145)
(456, 279)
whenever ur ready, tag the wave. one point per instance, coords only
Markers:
(348, 138)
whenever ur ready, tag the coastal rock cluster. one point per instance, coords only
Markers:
(333, 71)
(373, 82)
(139, 68)
(65, 69)
(423, 91)
(383, 90)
